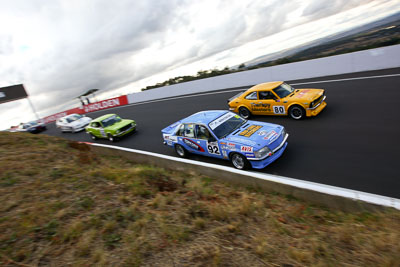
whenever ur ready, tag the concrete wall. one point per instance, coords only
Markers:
(330, 196)
(373, 59)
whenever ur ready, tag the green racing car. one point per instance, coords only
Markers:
(110, 126)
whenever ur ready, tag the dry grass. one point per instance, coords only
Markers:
(62, 205)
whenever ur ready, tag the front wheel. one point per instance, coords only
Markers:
(111, 138)
(244, 113)
(240, 162)
(180, 150)
(296, 112)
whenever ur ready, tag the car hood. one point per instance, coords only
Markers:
(256, 134)
(119, 125)
(306, 94)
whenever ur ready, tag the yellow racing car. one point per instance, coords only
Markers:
(278, 98)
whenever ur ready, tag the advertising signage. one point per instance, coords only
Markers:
(11, 93)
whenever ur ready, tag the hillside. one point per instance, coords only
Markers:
(63, 205)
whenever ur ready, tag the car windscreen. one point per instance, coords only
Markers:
(226, 124)
(73, 118)
(283, 90)
(110, 121)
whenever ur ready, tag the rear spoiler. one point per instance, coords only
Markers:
(170, 129)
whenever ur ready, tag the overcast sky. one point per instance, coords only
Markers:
(61, 48)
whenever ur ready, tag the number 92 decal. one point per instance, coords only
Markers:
(279, 110)
(213, 148)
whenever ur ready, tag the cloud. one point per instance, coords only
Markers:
(59, 49)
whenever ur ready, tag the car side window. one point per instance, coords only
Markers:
(264, 95)
(96, 124)
(252, 96)
(202, 132)
(189, 130)
(181, 130)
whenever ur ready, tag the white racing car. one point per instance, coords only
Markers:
(73, 123)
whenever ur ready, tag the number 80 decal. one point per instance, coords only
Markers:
(213, 148)
(279, 110)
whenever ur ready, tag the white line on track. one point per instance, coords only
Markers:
(322, 188)
(242, 89)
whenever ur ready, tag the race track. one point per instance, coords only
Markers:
(354, 143)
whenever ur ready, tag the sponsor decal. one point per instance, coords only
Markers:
(247, 149)
(2, 94)
(213, 148)
(192, 145)
(260, 107)
(170, 138)
(242, 140)
(225, 154)
(279, 110)
(249, 131)
(222, 143)
(231, 146)
(262, 133)
(271, 136)
(217, 122)
(302, 92)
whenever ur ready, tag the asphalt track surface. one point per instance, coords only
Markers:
(354, 143)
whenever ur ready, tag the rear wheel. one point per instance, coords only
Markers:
(239, 161)
(181, 151)
(244, 113)
(93, 137)
(296, 112)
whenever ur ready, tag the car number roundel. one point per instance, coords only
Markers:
(279, 110)
(213, 148)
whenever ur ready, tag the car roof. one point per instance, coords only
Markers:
(204, 116)
(103, 117)
(265, 86)
(70, 115)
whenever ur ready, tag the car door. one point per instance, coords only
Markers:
(188, 139)
(96, 129)
(207, 140)
(270, 104)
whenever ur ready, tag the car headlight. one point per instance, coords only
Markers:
(262, 152)
(283, 132)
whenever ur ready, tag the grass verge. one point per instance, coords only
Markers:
(64, 205)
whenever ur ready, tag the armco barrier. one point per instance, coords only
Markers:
(373, 59)
(330, 196)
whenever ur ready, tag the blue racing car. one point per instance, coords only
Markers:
(226, 135)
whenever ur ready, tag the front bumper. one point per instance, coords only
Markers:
(317, 109)
(260, 164)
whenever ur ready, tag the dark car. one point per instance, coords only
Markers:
(31, 127)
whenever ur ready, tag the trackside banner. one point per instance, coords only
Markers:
(105, 104)
(56, 116)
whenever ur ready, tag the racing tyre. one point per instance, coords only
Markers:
(93, 137)
(239, 161)
(111, 138)
(181, 151)
(244, 113)
(296, 112)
